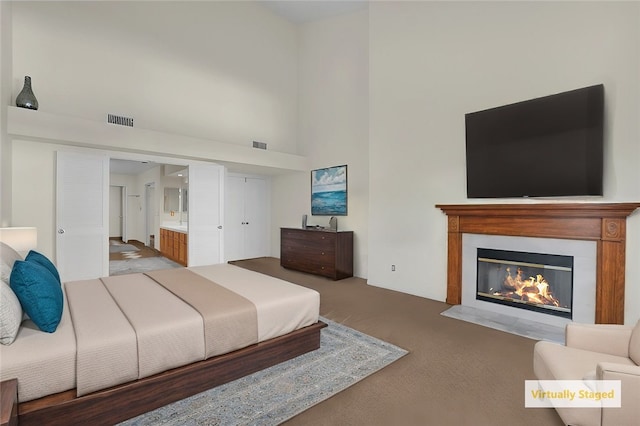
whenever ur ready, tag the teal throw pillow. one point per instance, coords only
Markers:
(39, 293)
(41, 259)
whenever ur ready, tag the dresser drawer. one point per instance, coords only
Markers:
(308, 250)
(327, 270)
(323, 253)
(311, 238)
(314, 265)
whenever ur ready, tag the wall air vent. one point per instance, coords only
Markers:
(118, 119)
(259, 145)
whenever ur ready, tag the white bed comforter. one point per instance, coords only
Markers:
(131, 327)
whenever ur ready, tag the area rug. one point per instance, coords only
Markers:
(514, 325)
(276, 394)
(121, 267)
(119, 248)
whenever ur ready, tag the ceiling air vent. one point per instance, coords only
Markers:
(118, 119)
(259, 145)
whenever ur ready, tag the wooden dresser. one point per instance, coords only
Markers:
(317, 251)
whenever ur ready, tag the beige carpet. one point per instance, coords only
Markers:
(456, 373)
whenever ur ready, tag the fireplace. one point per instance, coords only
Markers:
(534, 281)
(602, 223)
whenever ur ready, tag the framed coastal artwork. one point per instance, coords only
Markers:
(329, 191)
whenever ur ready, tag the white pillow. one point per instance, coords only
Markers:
(5, 272)
(8, 255)
(10, 314)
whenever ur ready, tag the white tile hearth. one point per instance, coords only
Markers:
(514, 325)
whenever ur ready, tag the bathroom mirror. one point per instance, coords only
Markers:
(174, 198)
(185, 200)
(171, 199)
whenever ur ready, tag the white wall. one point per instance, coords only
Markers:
(223, 71)
(6, 63)
(34, 189)
(216, 71)
(432, 62)
(333, 127)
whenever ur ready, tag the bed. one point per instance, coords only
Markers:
(128, 344)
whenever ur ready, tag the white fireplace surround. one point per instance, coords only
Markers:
(584, 274)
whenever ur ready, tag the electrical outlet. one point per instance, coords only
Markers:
(393, 268)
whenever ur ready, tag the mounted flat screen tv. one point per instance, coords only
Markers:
(544, 147)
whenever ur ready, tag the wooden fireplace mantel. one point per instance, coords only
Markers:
(604, 223)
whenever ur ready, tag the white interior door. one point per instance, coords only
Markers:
(256, 218)
(82, 215)
(247, 217)
(205, 215)
(234, 218)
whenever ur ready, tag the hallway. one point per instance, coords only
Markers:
(119, 250)
(134, 256)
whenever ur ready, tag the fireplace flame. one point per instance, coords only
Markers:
(533, 289)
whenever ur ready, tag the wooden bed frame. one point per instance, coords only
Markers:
(122, 402)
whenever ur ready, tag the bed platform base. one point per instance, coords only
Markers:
(122, 402)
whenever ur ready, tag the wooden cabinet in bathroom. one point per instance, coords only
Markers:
(173, 245)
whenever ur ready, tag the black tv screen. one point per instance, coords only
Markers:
(544, 147)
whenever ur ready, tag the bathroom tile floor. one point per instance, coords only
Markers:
(138, 251)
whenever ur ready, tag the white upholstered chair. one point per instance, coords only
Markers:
(600, 352)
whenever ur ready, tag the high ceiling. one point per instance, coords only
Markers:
(295, 11)
(300, 12)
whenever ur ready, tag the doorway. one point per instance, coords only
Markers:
(117, 212)
(151, 216)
